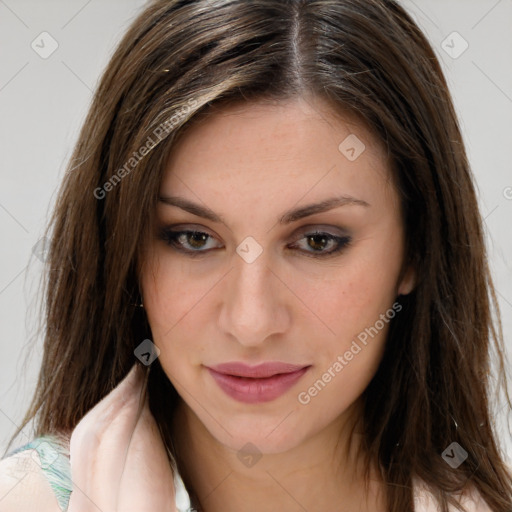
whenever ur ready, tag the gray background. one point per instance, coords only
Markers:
(43, 103)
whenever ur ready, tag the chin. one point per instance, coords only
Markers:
(269, 435)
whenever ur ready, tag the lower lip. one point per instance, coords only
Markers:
(255, 391)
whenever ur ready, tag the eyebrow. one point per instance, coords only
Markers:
(289, 217)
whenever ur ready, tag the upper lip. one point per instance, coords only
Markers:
(260, 371)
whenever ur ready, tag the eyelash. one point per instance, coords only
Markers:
(170, 237)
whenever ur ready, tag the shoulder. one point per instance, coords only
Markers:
(23, 486)
(37, 472)
(470, 499)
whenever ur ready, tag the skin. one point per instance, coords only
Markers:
(250, 164)
(118, 459)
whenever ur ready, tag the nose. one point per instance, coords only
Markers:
(255, 303)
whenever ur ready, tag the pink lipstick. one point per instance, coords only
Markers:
(255, 384)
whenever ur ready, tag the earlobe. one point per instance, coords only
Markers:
(407, 282)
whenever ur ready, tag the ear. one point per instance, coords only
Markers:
(407, 281)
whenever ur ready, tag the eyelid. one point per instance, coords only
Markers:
(321, 228)
(182, 227)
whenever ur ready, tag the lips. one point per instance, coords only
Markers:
(255, 384)
(259, 371)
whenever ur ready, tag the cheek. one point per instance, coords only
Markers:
(171, 291)
(353, 296)
(174, 301)
(357, 305)
(346, 361)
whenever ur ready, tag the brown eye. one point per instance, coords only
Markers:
(188, 241)
(196, 239)
(320, 244)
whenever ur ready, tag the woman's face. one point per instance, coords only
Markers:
(296, 298)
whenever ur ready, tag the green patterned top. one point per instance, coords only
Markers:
(55, 464)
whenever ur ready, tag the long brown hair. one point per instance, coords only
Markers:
(179, 60)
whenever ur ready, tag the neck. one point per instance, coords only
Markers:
(324, 472)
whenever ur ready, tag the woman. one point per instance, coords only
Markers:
(270, 212)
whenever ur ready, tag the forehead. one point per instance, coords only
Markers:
(281, 151)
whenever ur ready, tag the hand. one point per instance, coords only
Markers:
(118, 459)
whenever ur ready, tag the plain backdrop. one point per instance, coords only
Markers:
(43, 102)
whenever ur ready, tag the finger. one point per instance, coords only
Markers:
(124, 396)
(99, 444)
(148, 481)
